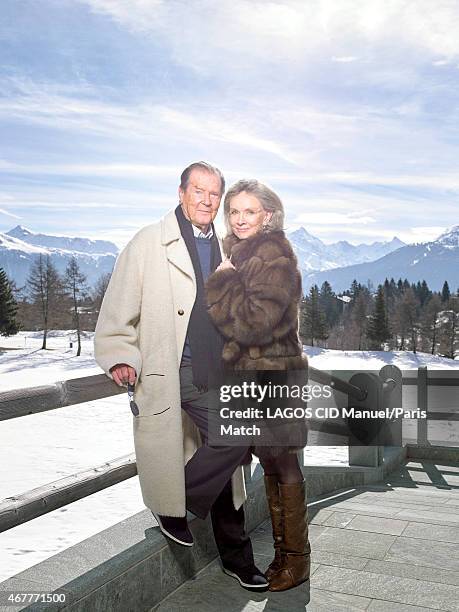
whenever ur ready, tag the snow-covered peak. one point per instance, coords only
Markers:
(396, 242)
(449, 238)
(64, 243)
(302, 237)
(11, 243)
(19, 232)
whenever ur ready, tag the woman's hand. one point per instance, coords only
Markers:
(225, 265)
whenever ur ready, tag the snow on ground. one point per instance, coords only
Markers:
(329, 359)
(38, 449)
(24, 364)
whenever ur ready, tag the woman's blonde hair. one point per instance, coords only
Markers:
(269, 201)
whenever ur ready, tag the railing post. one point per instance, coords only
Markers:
(392, 397)
(367, 456)
(422, 405)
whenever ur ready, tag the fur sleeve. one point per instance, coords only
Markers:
(249, 305)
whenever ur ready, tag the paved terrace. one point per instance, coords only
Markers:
(393, 546)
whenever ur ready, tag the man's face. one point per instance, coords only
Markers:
(201, 198)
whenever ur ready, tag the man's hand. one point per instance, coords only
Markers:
(123, 374)
(225, 265)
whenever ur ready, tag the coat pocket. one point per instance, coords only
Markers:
(152, 395)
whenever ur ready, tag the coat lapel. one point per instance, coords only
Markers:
(177, 253)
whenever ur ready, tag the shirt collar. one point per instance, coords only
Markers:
(200, 234)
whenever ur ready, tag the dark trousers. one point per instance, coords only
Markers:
(208, 488)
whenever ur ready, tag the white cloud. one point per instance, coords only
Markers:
(92, 170)
(295, 29)
(9, 214)
(344, 59)
(328, 218)
(44, 104)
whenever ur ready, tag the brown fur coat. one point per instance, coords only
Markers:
(255, 306)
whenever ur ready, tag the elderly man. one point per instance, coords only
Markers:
(154, 331)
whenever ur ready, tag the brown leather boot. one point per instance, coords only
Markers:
(295, 547)
(272, 495)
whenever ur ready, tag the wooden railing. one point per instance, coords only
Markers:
(21, 402)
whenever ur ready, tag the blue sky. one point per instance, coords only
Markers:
(349, 110)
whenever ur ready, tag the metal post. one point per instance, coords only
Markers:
(422, 405)
(368, 456)
(391, 380)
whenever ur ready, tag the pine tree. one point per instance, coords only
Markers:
(75, 283)
(445, 292)
(44, 284)
(424, 293)
(450, 329)
(355, 288)
(313, 324)
(329, 304)
(410, 308)
(378, 327)
(390, 295)
(359, 317)
(430, 323)
(8, 307)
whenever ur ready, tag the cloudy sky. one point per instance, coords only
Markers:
(349, 110)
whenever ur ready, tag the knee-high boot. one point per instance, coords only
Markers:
(295, 547)
(272, 495)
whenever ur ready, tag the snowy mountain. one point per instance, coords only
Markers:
(433, 262)
(339, 262)
(80, 245)
(20, 247)
(315, 255)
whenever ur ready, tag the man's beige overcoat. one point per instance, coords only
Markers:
(143, 322)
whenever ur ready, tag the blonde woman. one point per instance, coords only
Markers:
(253, 298)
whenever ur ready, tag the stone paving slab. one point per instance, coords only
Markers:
(317, 517)
(389, 588)
(339, 519)
(373, 509)
(377, 605)
(354, 543)
(418, 490)
(328, 601)
(425, 531)
(405, 570)
(394, 498)
(390, 507)
(213, 590)
(380, 548)
(376, 524)
(332, 558)
(431, 516)
(415, 552)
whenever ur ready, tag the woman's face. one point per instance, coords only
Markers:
(246, 215)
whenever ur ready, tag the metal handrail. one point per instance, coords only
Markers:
(324, 378)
